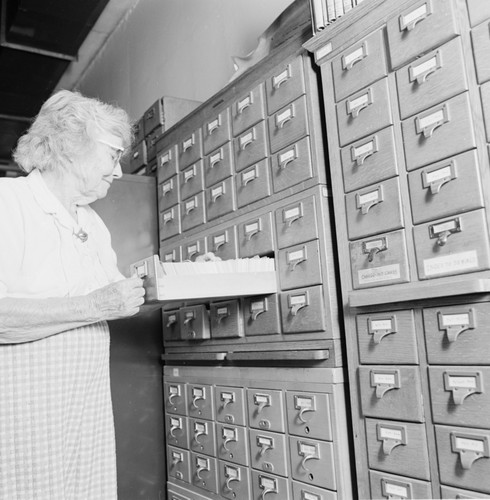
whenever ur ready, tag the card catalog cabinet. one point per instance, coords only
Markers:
(406, 104)
(256, 433)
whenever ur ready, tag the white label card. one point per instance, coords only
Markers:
(439, 174)
(451, 263)
(424, 67)
(470, 444)
(384, 378)
(376, 274)
(432, 119)
(381, 324)
(415, 14)
(462, 382)
(456, 319)
(386, 433)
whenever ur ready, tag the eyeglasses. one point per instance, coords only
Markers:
(119, 151)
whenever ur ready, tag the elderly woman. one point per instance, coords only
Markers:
(59, 284)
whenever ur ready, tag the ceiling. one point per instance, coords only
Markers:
(39, 41)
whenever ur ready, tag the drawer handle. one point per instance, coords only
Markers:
(196, 436)
(188, 143)
(357, 104)
(286, 158)
(217, 192)
(443, 230)
(214, 125)
(298, 302)
(258, 307)
(222, 313)
(426, 124)
(177, 458)
(136, 155)
(265, 444)
(455, 323)
(384, 381)
(228, 440)
(202, 468)
(168, 217)
(252, 229)
(296, 257)
(228, 398)
(357, 55)
(304, 404)
(250, 175)
(219, 241)
(408, 21)
(284, 117)
(359, 154)
(175, 426)
(391, 436)
(470, 447)
(373, 247)
(172, 396)
(291, 215)
(244, 104)
(282, 77)
(381, 327)
(435, 178)
(232, 474)
(247, 139)
(165, 158)
(420, 72)
(141, 270)
(365, 201)
(195, 399)
(190, 206)
(189, 174)
(216, 158)
(261, 401)
(462, 385)
(396, 490)
(309, 452)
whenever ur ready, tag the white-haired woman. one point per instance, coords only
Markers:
(59, 284)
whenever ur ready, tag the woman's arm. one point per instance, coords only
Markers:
(25, 320)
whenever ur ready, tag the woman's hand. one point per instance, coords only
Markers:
(118, 300)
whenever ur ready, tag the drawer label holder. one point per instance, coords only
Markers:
(462, 385)
(391, 436)
(470, 448)
(381, 327)
(456, 322)
(384, 381)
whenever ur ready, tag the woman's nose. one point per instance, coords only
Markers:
(117, 173)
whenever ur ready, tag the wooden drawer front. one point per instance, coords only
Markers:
(448, 492)
(234, 481)
(151, 143)
(481, 47)
(299, 266)
(446, 188)
(194, 324)
(286, 84)
(390, 486)
(204, 472)
(220, 199)
(192, 250)
(190, 149)
(216, 131)
(422, 26)
(296, 223)
(265, 409)
(269, 487)
(138, 156)
(200, 399)
(225, 319)
(261, 315)
(303, 491)
(292, 165)
(139, 131)
(379, 261)
(191, 180)
(171, 254)
(167, 164)
(179, 465)
(359, 65)
(442, 131)
(268, 452)
(255, 236)
(364, 112)
(192, 212)
(387, 338)
(230, 405)
(248, 110)
(218, 165)
(391, 392)
(232, 442)
(175, 398)
(398, 447)
(464, 459)
(452, 246)
(313, 462)
(202, 436)
(250, 146)
(288, 125)
(177, 430)
(302, 310)
(478, 11)
(171, 325)
(458, 334)
(168, 193)
(253, 183)
(372, 159)
(170, 222)
(431, 79)
(308, 415)
(485, 97)
(374, 209)
(460, 395)
(223, 243)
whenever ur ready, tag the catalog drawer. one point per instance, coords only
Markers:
(204, 472)
(248, 109)
(374, 209)
(170, 222)
(190, 149)
(255, 236)
(446, 188)
(168, 193)
(223, 243)
(286, 84)
(299, 266)
(418, 28)
(261, 315)
(268, 452)
(226, 319)
(269, 487)
(439, 132)
(200, 401)
(177, 430)
(138, 156)
(151, 143)
(191, 180)
(464, 457)
(391, 392)
(380, 260)
(398, 447)
(431, 79)
(303, 310)
(218, 165)
(194, 322)
(456, 245)
(175, 397)
(265, 409)
(372, 159)
(192, 211)
(192, 249)
(458, 334)
(478, 11)
(481, 46)
(389, 486)
(364, 113)
(139, 130)
(234, 481)
(216, 131)
(171, 325)
(253, 183)
(202, 436)
(220, 199)
(232, 442)
(303, 491)
(251, 146)
(449, 493)
(359, 65)
(170, 253)
(179, 465)
(230, 405)
(167, 163)
(387, 338)
(309, 414)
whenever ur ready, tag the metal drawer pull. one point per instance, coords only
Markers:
(435, 178)
(384, 381)
(188, 143)
(135, 155)
(470, 448)
(165, 158)
(216, 158)
(373, 247)
(228, 398)
(291, 215)
(356, 105)
(191, 251)
(258, 307)
(359, 154)
(391, 436)
(408, 21)
(381, 327)
(167, 187)
(177, 458)
(304, 404)
(202, 466)
(455, 323)
(175, 425)
(174, 393)
(252, 229)
(222, 313)
(231, 474)
(247, 139)
(219, 241)
(295, 258)
(168, 216)
(427, 123)
(268, 485)
(265, 444)
(395, 490)
(443, 230)
(250, 175)
(190, 206)
(141, 270)
(367, 200)
(309, 452)
(262, 401)
(229, 436)
(217, 192)
(297, 302)
(281, 78)
(420, 72)
(243, 104)
(214, 125)
(462, 385)
(286, 158)
(285, 116)
(357, 55)
(189, 174)
(199, 430)
(198, 394)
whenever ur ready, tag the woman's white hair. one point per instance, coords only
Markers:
(61, 131)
